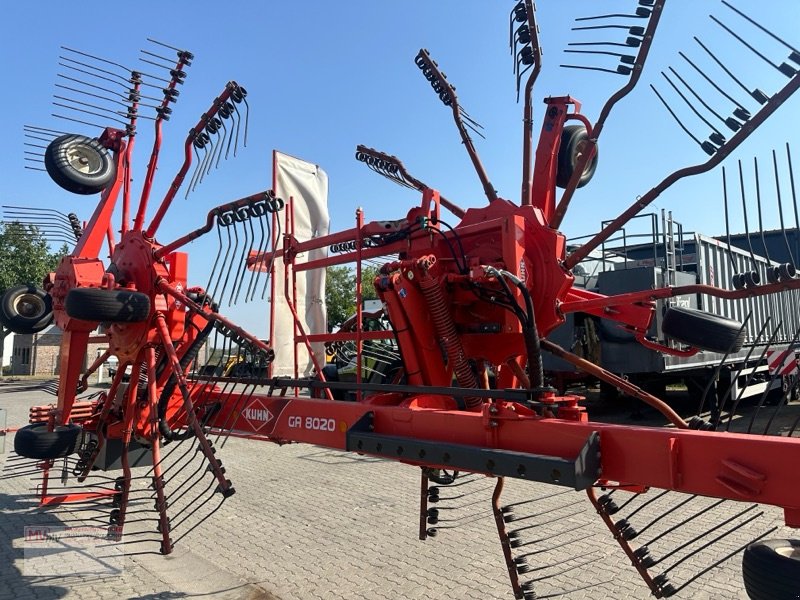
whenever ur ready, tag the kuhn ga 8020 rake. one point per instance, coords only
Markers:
(470, 307)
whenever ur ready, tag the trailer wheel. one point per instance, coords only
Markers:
(331, 373)
(79, 164)
(34, 441)
(573, 141)
(703, 330)
(771, 570)
(26, 309)
(107, 306)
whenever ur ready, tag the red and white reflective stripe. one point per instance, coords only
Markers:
(782, 362)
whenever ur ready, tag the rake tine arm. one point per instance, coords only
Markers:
(448, 96)
(406, 176)
(597, 128)
(178, 180)
(247, 201)
(527, 111)
(722, 152)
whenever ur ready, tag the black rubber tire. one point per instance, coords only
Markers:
(26, 309)
(107, 306)
(34, 441)
(573, 137)
(331, 373)
(703, 330)
(771, 570)
(79, 164)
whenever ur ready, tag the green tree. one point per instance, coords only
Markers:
(340, 291)
(24, 255)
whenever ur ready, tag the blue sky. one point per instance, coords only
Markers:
(325, 76)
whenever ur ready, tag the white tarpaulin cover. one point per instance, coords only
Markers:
(307, 185)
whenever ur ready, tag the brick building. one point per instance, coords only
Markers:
(38, 354)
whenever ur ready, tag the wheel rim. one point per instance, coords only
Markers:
(30, 306)
(84, 159)
(789, 552)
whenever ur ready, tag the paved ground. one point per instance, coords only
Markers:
(309, 523)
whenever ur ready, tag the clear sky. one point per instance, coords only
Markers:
(325, 76)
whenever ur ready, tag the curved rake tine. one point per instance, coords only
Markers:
(256, 272)
(744, 216)
(238, 120)
(755, 93)
(226, 268)
(197, 161)
(758, 204)
(241, 269)
(693, 109)
(780, 205)
(751, 376)
(207, 160)
(721, 403)
(215, 149)
(718, 369)
(275, 237)
(222, 143)
(784, 68)
(772, 379)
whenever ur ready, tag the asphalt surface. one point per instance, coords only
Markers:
(307, 522)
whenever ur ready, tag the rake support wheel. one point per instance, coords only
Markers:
(34, 441)
(573, 140)
(107, 306)
(79, 164)
(771, 570)
(26, 309)
(703, 330)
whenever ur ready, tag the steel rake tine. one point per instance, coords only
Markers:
(222, 142)
(209, 290)
(200, 521)
(675, 116)
(227, 268)
(273, 241)
(755, 93)
(190, 186)
(718, 369)
(647, 502)
(245, 254)
(213, 128)
(758, 204)
(744, 216)
(721, 403)
(750, 377)
(783, 400)
(705, 533)
(713, 540)
(236, 122)
(772, 379)
(207, 160)
(226, 111)
(791, 184)
(241, 270)
(780, 205)
(783, 68)
(663, 515)
(256, 272)
(246, 119)
(717, 563)
(680, 524)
